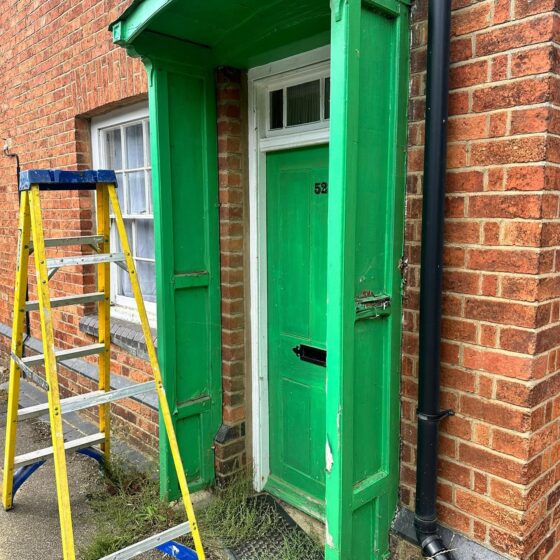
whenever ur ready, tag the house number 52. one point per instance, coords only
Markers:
(321, 188)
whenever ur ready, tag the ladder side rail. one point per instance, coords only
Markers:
(164, 405)
(24, 230)
(61, 474)
(104, 311)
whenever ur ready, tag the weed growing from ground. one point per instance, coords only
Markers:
(232, 517)
(127, 509)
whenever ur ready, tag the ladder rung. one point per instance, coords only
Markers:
(67, 241)
(150, 543)
(67, 300)
(62, 355)
(87, 400)
(41, 454)
(85, 259)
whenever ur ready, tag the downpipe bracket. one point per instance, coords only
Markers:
(435, 417)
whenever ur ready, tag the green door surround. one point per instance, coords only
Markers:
(180, 43)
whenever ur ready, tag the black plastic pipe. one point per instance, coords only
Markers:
(429, 412)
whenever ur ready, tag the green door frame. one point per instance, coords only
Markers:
(367, 176)
(369, 45)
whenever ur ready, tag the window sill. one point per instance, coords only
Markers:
(124, 334)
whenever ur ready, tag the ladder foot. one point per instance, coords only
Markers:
(177, 550)
(94, 454)
(22, 474)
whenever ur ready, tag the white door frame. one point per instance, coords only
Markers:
(261, 80)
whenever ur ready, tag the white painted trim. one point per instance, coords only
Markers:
(121, 307)
(260, 79)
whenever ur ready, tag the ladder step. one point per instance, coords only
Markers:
(67, 241)
(63, 355)
(87, 400)
(67, 300)
(85, 259)
(150, 543)
(42, 454)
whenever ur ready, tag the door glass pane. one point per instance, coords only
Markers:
(134, 146)
(137, 193)
(145, 239)
(276, 109)
(327, 98)
(147, 276)
(113, 148)
(304, 103)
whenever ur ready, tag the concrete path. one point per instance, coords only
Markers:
(31, 530)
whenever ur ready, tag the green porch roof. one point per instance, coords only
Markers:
(236, 31)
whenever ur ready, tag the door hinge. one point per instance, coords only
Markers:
(371, 306)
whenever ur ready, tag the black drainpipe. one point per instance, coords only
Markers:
(429, 412)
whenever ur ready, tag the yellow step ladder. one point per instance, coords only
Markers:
(31, 240)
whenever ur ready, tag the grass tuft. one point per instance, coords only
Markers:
(232, 517)
(126, 510)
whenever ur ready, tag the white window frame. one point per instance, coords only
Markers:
(121, 307)
(262, 80)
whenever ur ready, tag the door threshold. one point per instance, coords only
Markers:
(294, 497)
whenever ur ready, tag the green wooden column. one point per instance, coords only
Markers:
(365, 244)
(185, 195)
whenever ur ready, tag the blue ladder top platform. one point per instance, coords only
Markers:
(60, 180)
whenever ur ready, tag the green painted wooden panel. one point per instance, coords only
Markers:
(297, 300)
(366, 207)
(183, 139)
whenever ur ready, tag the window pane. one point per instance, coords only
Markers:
(113, 148)
(137, 193)
(120, 192)
(147, 276)
(304, 103)
(128, 227)
(327, 98)
(276, 109)
(145, 239)
(149, 191)
(124, 286)
(134, 146)
(148, 153)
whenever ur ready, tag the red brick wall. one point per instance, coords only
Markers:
(58, 67)
(232, 165)
(500, 354)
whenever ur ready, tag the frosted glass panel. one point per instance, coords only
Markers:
(304, 103)
(134, 146)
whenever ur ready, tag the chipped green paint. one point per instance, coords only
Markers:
(181, 42)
